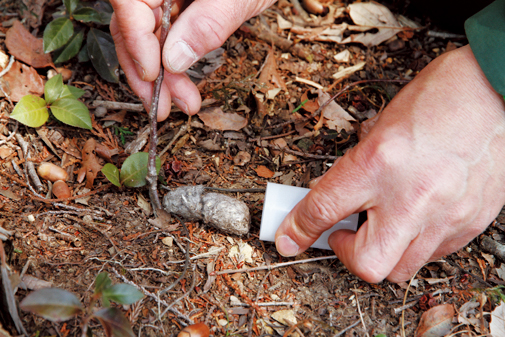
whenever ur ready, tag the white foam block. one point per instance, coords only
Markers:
(280, 200)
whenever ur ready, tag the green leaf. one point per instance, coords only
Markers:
(71, 5)
(134, 169)
(87, 14)
(102, 282)
(53, 304)
(31, 110)
(53, 89)
(114, 323)
(111, 172)
(83, 54)
(76, 92)
(122, 293)
(102, 54)
(105, 10)
(72, 112)
(69, 50)
(57, 34)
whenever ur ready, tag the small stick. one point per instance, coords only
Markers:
(110, 105)
(360, 313)
(303, 154)
(193, 284)
(152, 177)
(272, 266)
(38, 198)
(340, 333)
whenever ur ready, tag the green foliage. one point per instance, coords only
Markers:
(58, 305)
(31, 110)
(111, 172)
(61, 99)
(133, 172)
(53, 304)
(102, 55)
(57, 34)
(121, 132)
(65, 36)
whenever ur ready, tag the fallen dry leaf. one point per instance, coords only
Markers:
(336, 117)
(497, 325)
(242, 158)
(436, 322)
(117, 117)
(25, 47)
(264, 172)
(216, 119)
(90, 166)
(22, 80)
(372, 15)
(345, 72)
(269, 76)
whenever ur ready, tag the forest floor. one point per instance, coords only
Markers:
(249, 134)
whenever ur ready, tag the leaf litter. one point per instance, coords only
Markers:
(114, 229)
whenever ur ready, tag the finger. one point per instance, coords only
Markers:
(184, 92)
(135, 21)
(142, 88)
(204, 26)
(342, 191)
(376, 248)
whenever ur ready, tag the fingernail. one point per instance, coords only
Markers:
(140, 70)
(286, 246)
(180, 57)
(181, 104)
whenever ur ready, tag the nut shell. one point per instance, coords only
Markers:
(61, 190)
(195, 330)
(51, 172)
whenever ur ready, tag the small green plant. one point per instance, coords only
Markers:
(58, 305)
(133, 172)
(62, 100)
(64, 36)
(121, 132)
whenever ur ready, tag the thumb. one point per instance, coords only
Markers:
(345, 189)
(204, 26)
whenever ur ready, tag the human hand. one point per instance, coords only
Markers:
(202, 27)
(429, 174)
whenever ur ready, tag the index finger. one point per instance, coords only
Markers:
(136, 21)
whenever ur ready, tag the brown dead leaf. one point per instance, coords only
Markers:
(269, 76)
(90, 166)
(242, 158)
(25, 47)
(22, 80)
(436, 322)
(216, 119)
(117, 117)
(336, 117)
(105, 153)
(311, 105)
(264, 172)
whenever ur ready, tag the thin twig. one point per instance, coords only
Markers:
(340, 333)
(152, 176)
(318, 111)
(150, 294)
(272, 266)
(6, 70)
(193, 284)
(11, 135)
(360, 313)
(186, 264)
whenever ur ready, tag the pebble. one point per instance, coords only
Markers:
(100, 111)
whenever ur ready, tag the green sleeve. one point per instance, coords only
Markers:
(486, 34)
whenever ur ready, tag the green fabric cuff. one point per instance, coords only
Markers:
(486, 34)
